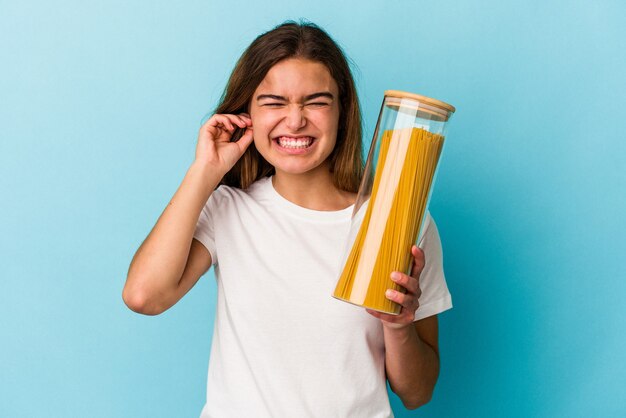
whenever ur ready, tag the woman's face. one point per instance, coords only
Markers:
(295, 116)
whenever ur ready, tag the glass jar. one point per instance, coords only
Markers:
(393, 197)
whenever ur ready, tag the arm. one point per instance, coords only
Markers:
(412, 361)
(411, 347)
(169, 262)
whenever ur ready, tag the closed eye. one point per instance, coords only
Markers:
(272, 104)
(318, 104)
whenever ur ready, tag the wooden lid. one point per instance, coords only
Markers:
(419, 98)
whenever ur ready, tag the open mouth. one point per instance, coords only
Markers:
(301, 142)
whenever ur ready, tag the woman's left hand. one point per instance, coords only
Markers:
(409, 300)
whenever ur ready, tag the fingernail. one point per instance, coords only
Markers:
(395, 276)
(390, 293)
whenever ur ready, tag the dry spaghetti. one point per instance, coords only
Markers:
(406, 165)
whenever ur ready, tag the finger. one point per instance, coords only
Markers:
(408, 282)
(404, 317)
(246, 116)
(373, 313)
(228, 122)
(383, 316)
(419, 261)
(220, 121)
(245, 140)
(239, 120)
(403, 299)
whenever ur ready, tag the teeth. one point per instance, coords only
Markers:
(287, 142)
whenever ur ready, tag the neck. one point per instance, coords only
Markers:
(314, 190)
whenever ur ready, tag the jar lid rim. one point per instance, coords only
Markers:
(419, 97)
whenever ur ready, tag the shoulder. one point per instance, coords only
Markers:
(233, 196)
(430, 240)
(428, 220)
(428, 227)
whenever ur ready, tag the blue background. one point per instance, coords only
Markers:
(100, 103)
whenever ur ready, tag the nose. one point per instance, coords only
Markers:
(295, 118)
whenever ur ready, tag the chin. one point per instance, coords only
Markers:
(295, 168)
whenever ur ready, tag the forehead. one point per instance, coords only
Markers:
(297, 77)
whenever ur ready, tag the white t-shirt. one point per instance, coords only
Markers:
(282, 345)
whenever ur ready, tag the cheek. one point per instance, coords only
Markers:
(328, 123)
(262, 123)
(261, 134)
(260, 140)
(330, 119)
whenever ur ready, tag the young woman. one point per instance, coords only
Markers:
(271, 210)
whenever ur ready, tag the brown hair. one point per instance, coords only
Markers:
(296, 40)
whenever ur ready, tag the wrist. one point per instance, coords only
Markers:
(205, 176)
(401, 332)
(206, 167)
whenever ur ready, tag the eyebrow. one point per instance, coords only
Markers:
(306, 98)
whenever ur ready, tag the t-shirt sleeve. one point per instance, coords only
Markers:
(435, 296)
(205, 231)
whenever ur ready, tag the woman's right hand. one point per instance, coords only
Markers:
(214, 146)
